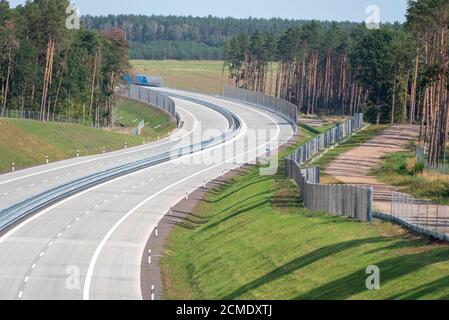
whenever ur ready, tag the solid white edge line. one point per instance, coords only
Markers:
(100, 157)
(36, 216)
(92, 264)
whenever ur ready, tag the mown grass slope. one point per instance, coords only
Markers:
(251, 239)
(157, 122)
(28, 142)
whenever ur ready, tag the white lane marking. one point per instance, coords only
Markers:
(68, 227)
(33, 266)
(41, 254)
(78, 219)
(59, 235)
(110, 156)
(26, 222)
(93, 262)
(20, 294)
(50, 243)
(27, 278)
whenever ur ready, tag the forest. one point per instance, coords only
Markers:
(46, 67)
(186, 38)
(395, 74)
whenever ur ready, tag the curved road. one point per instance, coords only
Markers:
(89, 246)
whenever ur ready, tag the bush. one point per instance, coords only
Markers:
(418, 168)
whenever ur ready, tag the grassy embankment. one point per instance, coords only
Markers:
(27, 142)
(251, 239)
(400, 169)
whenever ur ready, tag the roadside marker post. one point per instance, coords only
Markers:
(13, 167)
(126, 145)
(204, 184)
(152, 293)
(156, 232)
(149, 256)
(77, 153)
(104, 150)
(187, 196)
(171, 211)
(47, 159)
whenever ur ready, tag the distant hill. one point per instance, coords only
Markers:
(184, 38)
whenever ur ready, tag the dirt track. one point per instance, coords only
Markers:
(354, 166)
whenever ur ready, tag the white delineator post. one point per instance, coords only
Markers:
(152, 293)
(149, 256)
(13, 167)
(156, 232)
(46, 158)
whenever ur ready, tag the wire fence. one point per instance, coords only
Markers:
(39, 116)
(276, 105)
(343, 200)
(440, 166)
(422, 216)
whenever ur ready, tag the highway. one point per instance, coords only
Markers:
(89, 246)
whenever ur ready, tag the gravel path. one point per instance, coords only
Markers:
(354, 166)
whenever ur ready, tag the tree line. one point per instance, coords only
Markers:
(395, 74)
(46, 67)
(186, 37)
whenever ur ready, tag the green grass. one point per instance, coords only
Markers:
(157, 122)
(355, 141)
(397, 169)
(199, 75)
(28, 142)
(251, 239)
(195, 75)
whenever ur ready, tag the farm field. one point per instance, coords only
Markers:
(194, 75)
(198, 75)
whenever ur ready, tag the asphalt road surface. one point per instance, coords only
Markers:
(89, 246)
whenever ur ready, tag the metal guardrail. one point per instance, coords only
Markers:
(344, 200)
(25, 208)
(284, 108)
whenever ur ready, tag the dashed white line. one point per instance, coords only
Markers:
(50, 243)
(33, 266)
(26, 279)
(69, 226)
(58, 235)
(41, 254)
(20, 294)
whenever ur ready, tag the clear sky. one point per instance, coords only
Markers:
(339, 10)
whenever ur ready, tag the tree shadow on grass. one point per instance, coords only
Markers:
(302, 262)
(245, 209)
(424, 290)
(236, 190)
(390, 269)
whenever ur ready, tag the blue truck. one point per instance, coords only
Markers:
(143, 80)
